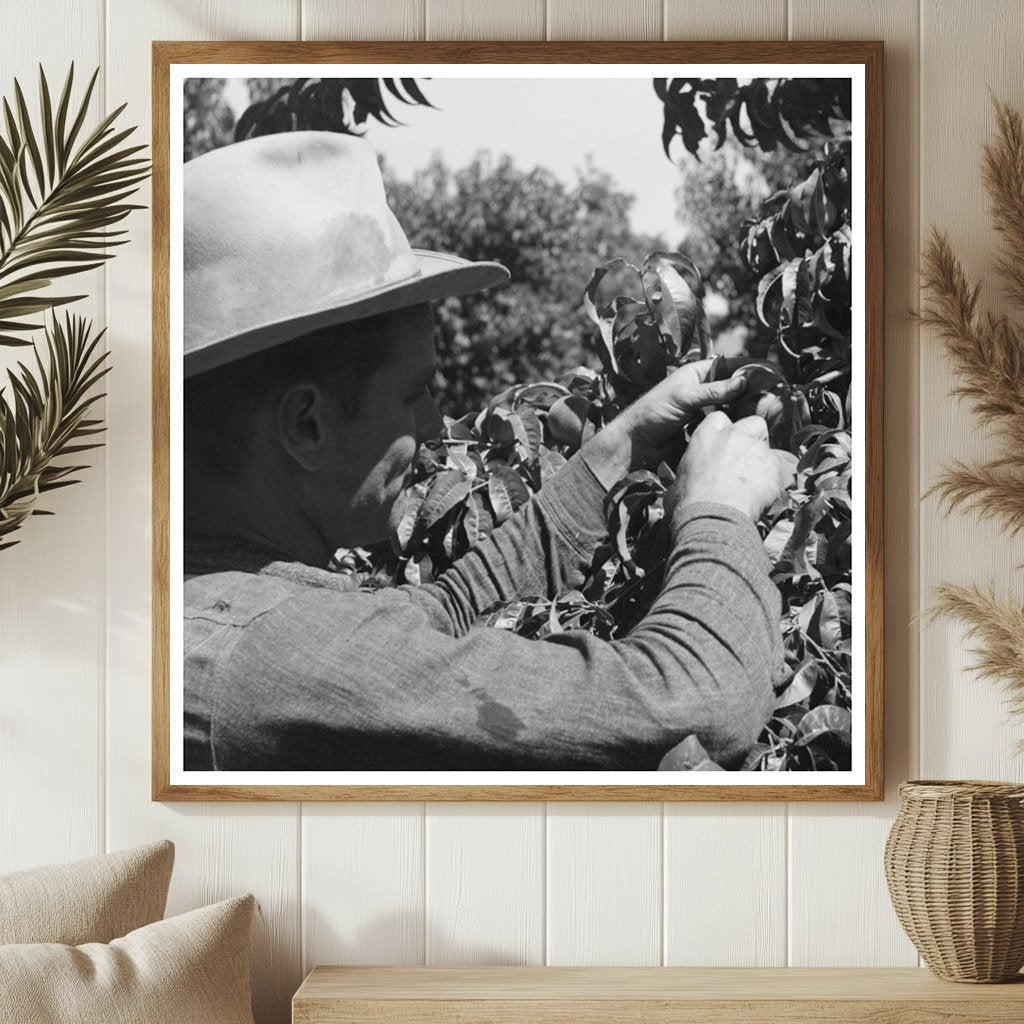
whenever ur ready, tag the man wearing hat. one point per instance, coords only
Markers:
(308, 354)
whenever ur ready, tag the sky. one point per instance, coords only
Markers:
(554, 123)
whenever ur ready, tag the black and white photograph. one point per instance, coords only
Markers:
(517, 425)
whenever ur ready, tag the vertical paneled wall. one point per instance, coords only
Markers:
(835, 853)
(53, 584)
(743, 884)
(982, 42)
(221, 848)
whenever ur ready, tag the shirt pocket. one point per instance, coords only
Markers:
(231, 599)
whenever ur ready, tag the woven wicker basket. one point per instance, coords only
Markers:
(954, 861)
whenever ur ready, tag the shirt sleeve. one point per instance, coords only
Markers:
(545, 548)
(396, 680)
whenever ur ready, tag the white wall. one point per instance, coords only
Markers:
(510, 883)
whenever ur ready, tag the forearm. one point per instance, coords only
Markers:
(361, 681)
(545, 548)
(703, 661)
(710, 648)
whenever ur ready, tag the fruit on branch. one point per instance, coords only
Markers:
(568, 423)
(762, 394)
(768, 394)
(770, 405)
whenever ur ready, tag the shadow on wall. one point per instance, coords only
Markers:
(379, 943)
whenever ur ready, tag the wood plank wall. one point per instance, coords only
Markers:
(517, 883)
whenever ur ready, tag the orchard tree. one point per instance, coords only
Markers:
(795, 113)
(717, 196)
(796, 248)
(344, 105)
(548, 234)
(209, 120)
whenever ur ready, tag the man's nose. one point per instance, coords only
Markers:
(429, 423)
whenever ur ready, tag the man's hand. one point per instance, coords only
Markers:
(731, 464)
(650, 430)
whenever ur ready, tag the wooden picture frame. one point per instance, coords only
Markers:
(167, 56)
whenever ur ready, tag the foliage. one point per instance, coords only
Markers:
(764, 112)
(715, 196)
(997, 626)
(489, 462)
(987, 354)
(59, 200)
(209, 121)
(47, 420)
(276, 105)
(62, 191)
(546, 234)
(328, 104)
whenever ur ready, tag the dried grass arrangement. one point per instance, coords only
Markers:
(987, 355)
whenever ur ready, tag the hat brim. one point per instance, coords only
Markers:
(441, 276)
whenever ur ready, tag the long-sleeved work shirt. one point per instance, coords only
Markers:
(289, 667)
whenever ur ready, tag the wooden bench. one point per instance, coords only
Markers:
(647, 995)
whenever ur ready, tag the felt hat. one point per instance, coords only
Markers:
(285, 234)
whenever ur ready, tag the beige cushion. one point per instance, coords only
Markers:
(191, 969)
(93, 900)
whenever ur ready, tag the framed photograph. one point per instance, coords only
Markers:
(517, 421)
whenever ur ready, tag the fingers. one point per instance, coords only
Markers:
(696, 372)
(717, 392)
(714, 420)
(787, 463)
(754, 426)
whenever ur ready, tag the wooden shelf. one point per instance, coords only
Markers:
(647, 995)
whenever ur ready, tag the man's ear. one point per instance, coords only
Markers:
(302, 425)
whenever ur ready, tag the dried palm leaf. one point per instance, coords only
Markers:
(62, 191)
(46, 418)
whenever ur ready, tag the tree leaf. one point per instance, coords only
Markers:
(448, 490)
(826, 718)
(688, 756)
(512, 486)
(501, 500)
(768, 285)
(801, 685)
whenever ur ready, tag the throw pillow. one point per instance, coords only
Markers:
(92, 900)
(190, 969)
